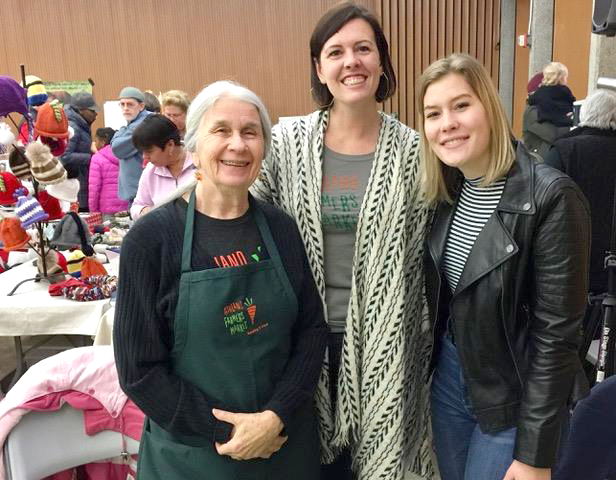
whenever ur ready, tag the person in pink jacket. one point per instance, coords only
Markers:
(169, 166)
(103, 177)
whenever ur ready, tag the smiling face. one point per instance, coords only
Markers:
(230, 145)
(349, 63)
(456, 125)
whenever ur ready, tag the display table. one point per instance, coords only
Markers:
(32, 311)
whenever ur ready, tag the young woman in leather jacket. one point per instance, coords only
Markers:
(506, 270)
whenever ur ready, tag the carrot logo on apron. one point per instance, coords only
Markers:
(240, 317)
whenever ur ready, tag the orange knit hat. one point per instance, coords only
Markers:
(12, 235)
(51, 120)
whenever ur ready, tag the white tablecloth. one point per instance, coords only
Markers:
(32, 311)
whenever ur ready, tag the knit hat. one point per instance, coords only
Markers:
(51, 205)
(12, 234)
(46, 168)
(132, 92)
(91, 266)
(9, 184)
(19, 163)
(72, 230)
(66, 190)
(37, 94)
(53, 262)
(29, 209)
(51, 121)
(12, 98)
(74, 261)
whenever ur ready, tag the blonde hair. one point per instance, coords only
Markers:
(554, 73)
(177, 98)
(438, 178)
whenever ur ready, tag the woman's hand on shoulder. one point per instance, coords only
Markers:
(521, 471)
(254, 435)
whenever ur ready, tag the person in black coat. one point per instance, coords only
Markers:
(588, 155)
(553, 98)
(76, 159)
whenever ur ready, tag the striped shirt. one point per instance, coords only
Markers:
(475, 206)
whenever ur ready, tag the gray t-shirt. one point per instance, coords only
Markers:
(345, 178)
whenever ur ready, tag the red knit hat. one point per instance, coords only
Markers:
(8, 184)
(51, 120)
(51, 205)
(12, 235)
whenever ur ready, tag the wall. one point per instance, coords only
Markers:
(165, 44)
(422, 31)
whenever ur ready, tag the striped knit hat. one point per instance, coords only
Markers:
(29, 210)
(46, 168)
(19, 163)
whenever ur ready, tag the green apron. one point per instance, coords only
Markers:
(233, 331)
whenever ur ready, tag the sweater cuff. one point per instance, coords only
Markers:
(222, 431)
(279, 409)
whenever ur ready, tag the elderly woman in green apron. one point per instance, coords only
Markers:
(219, 331)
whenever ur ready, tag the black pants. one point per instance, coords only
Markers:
(341, 468)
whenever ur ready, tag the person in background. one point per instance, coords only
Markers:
(133, 110)
(553, 98)
(349, 175)
(81, 113)
(168, 164)
(506, 263)
(151, 102)
(219, 333)
(103, 178)
(588, 155)
(174, 105)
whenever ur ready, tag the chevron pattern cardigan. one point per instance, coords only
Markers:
(382, 409)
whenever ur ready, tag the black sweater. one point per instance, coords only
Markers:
(143, 332)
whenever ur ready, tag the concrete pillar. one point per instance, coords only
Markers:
(507, 55)
(542, 34)
(602, 59)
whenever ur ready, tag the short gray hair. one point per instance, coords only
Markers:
(599, 110)
(206, 100)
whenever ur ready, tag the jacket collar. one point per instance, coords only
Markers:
(520, 184)
(495, 244)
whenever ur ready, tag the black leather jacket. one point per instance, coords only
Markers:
(518, 307)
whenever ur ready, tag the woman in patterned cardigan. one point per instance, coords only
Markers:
(349, 175)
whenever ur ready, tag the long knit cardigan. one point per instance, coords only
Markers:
(382, 409)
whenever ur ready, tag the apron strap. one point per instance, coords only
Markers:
(188, 234)
(274, 255)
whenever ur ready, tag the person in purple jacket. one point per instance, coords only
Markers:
(103, 177)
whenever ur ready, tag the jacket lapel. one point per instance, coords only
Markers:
(495, 244)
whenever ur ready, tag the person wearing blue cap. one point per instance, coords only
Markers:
(81, 113)
(131, 161)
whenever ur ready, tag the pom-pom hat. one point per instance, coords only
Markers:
(45, 168)
(12, 234)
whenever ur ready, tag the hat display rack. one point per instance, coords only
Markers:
(42, 247)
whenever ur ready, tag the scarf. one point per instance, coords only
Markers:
(382, 408)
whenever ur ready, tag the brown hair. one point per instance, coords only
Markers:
(329, 24)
